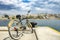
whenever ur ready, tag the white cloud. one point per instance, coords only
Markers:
(50, 5)
(32, 0)
(12, 12)
(28, 6)
(7, 1)
(25, 6)
(19, 3)
(55, 0)
(45, 10)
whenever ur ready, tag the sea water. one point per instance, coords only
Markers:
(42, 23)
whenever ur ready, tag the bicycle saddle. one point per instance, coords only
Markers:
(33, 24)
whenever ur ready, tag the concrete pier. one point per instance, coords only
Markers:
(47, 33)
(43, 33)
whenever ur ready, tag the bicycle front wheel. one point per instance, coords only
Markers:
(14, 31)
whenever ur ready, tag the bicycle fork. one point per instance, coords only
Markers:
(15, 29)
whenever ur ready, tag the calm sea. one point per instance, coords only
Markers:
(50, 23)
(4, 22)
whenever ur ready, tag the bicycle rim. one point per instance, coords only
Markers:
(14, 32)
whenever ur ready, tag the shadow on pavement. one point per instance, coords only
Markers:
(7, 38)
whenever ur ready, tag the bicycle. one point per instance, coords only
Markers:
(16, 28)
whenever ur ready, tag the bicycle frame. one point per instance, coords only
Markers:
(19, 25)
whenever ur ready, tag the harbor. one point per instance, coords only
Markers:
(29, 19)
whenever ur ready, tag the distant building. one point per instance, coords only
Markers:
(51, 16)
(58, 15)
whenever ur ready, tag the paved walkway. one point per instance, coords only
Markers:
(47, 33)
(5, 36)
(43, 33)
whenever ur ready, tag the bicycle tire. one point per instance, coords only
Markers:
(13, 36)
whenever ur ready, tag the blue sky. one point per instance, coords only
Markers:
(36, 6)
